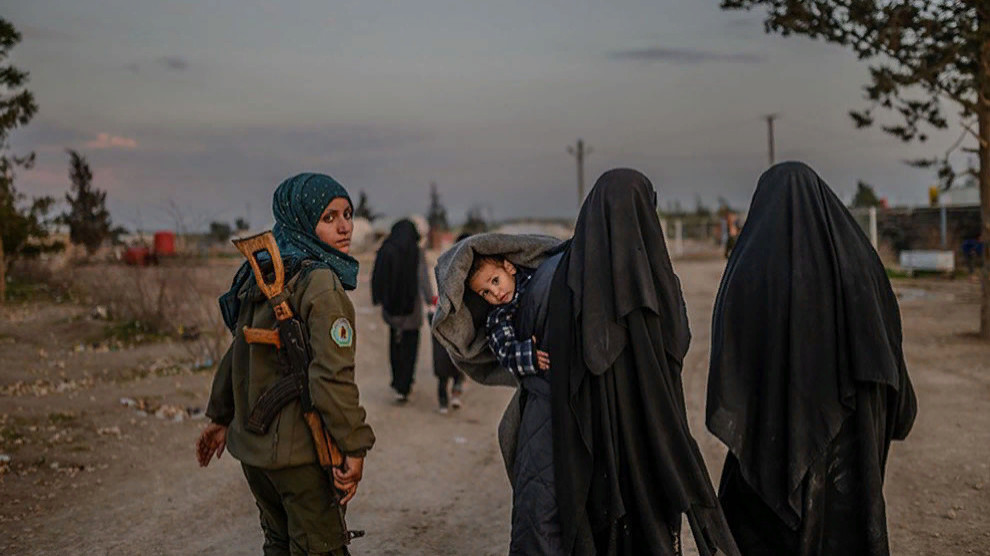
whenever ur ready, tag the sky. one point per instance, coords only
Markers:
(194, 111)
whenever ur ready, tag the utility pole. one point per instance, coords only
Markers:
(3, 274)
(579, 152)
(770, 118)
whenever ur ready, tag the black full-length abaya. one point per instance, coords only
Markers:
(807, 385)
(626, 466)
(395, 284)
(394, 278)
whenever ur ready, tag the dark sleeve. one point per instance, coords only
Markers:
(220, 408)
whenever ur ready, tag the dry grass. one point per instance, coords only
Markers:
(178, 300)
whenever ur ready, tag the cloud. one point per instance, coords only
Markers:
(219, 169)
(46, 134)
(174, 63)
(745, 23)
(31, 32)
(107, 141)
(168, 63)
(685, 56)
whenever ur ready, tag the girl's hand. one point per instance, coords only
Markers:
(542, 358)
(211, 442)
(347, 477)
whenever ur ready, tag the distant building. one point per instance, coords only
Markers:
(966, 195)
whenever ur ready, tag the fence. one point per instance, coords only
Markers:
(898, 229)
(693, 234)
(890, 230)
(867, 220)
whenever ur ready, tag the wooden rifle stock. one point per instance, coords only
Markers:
(326, 449)
(262, 336)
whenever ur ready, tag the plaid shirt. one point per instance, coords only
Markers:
(515, 355)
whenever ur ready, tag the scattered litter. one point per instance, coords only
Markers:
(108, 431)
(69, 469)
(171, 412)
(164, 367)
(60, 436)
(4, 458)
(189, 333)
(100, 312)
(460, 440)
(203, 364)
(41, 388)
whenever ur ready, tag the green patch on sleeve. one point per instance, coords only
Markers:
(342, 333)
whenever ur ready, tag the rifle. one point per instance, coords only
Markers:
(291, 339)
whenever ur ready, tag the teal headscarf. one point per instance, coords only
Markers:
(297, 206)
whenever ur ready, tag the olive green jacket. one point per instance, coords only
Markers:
(247, 370)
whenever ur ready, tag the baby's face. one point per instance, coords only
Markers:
(495, 283)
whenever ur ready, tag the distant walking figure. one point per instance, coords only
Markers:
(399, 284)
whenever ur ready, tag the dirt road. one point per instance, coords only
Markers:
(90, 475)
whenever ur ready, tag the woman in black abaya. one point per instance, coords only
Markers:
(399, 284)
(807, 385)
(626, 466)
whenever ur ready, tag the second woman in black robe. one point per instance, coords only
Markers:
(399, 284)
(807, 384)
(625, 464)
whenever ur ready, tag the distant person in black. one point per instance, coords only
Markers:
(399, 284)
(808, 384)
(625, 464)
